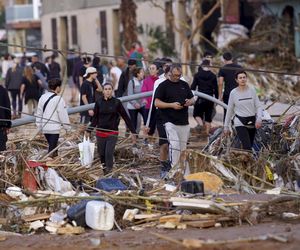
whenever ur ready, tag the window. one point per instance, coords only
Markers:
(74, 30)
(54, 33)
(103, 32)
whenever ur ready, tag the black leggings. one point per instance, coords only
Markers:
(15, 94)
(134, 114)
(52, 140)
(106, 149)
(246, 136)
(3, 139)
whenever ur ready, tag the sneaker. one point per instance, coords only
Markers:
(164, 174)
(165, 165)
(146, 142)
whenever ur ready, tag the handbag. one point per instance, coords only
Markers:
(248, 120)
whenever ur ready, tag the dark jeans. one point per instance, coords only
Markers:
(134, 114)
(3, 139)
(225, 100)
(15, 94)
(52, 140)
(106, 149)
(246, 136)
(85, 119)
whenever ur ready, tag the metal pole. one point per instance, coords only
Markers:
(78, 109)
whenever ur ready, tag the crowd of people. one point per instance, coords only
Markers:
(38, 85)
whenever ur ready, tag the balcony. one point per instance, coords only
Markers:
(17, 13)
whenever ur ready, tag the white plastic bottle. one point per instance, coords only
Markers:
(99, 215)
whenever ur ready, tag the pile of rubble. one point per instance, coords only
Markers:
(225, 187)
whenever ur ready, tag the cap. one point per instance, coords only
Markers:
(90, 70)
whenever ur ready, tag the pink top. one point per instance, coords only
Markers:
(148, 85)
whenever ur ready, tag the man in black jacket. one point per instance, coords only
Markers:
(125, 78)
(205, 81)
(5, 117)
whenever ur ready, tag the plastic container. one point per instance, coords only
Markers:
(99, 215)
(110, 184)
(77, 213)
(192, 187)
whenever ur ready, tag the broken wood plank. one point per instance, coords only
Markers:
(35, 217)
(201, 224)
(176, 218)
(146, 216)
(70, 230)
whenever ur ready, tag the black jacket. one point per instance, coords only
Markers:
(5, 113)
(107, 115)
(205, 82)
(123, 83)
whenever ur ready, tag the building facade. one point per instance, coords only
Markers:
(23, 24)
(92, 26)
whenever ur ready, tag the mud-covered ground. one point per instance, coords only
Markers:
(145, 240)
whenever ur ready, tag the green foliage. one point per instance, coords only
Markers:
(158, 40)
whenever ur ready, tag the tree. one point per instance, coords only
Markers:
(128, 20)
(187, 24)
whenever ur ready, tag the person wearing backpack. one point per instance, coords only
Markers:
(52, 114)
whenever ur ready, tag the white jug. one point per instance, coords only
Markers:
(99, 215)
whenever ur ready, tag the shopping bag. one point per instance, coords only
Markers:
(86, 152)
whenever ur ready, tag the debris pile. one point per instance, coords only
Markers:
(225, 187)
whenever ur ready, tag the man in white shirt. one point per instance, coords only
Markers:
(115, 73)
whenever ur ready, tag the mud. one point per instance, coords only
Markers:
(129, 239)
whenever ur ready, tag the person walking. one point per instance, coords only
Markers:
(125, 77)
(107, 112)
(5, 117)
(89, 90)
(226, 78)
(97, 65)
(205, 82)
(136, 106)
(173, 97)
(154, 114)
(13, 83)
(54, 68)
(245, 105)
(52, 114)
(148, 85)
(31, 89)
(87, 62)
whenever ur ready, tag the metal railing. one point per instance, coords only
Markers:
(78, 109)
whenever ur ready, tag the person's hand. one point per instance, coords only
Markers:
(258, 124)
(221, 98)
(177, 106)
(7, 130)
(188, 102)
(91, 112)
(137, 105)
(87, 134)
(133, 138)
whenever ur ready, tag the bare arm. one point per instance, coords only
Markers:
(84, 99)
(99, 86)
(80, 80)
(220, 85)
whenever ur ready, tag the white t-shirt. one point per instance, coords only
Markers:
(117, 71)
